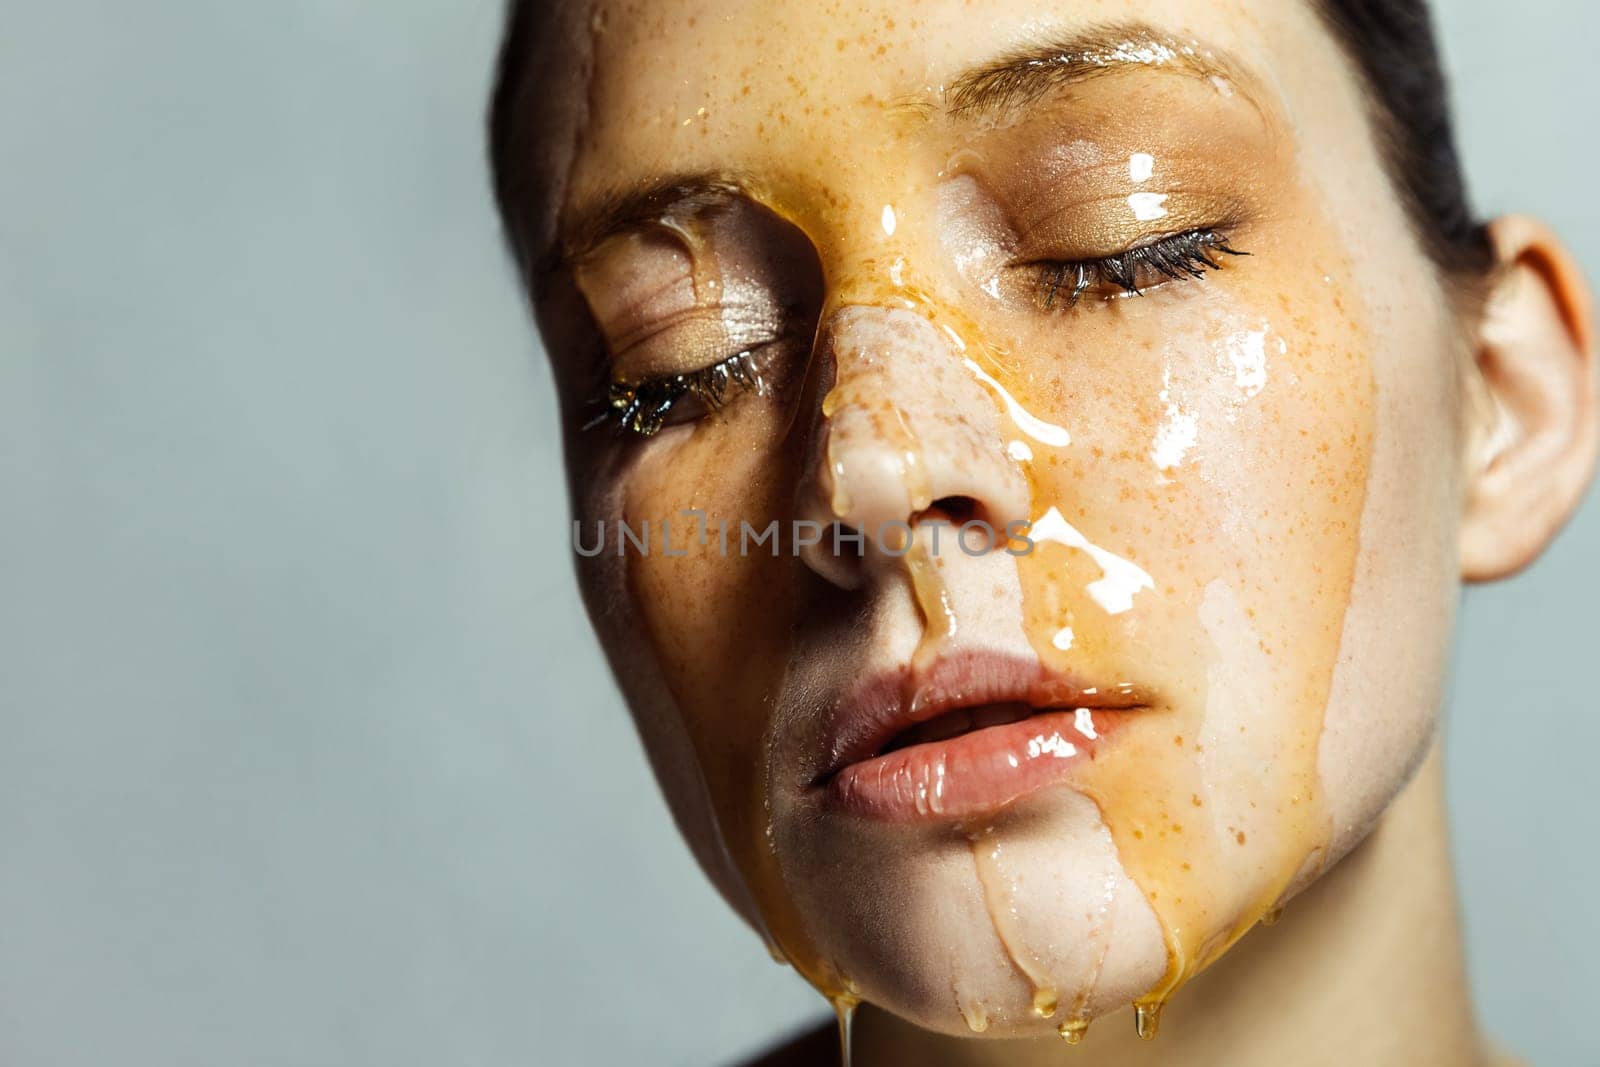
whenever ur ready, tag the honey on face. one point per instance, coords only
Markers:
(1195, 460)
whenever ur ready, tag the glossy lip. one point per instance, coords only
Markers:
(976, 772)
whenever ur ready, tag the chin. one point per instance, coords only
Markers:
(1007, 925)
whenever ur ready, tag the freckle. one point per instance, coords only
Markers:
(1178, 740)
(1195, 799)
(1239, 837)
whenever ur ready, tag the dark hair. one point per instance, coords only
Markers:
(1390, 43)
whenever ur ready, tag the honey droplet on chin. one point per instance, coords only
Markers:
(1271, 917)
(1072, 1030)
(1000, 900)
(1147, 1019)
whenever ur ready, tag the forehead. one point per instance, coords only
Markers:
(689, 85)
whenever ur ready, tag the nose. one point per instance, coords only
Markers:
(910, 436)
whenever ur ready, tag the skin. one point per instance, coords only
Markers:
(1297, 459)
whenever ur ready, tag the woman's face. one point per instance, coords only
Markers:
(870, 267)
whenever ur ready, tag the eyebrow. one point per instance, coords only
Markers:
(1024, 77)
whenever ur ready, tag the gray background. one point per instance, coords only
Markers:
(306, 755)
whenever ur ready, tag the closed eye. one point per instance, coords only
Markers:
(646, 406)
(1179, 257)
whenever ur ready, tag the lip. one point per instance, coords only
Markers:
(976, 772)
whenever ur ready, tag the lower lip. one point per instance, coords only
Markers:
(976, 773)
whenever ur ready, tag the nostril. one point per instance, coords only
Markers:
(960, 509)
(957, 509)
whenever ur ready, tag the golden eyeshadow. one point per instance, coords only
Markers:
(698, 279)
(633, 281)
(1096, 180)
(1106, 225)
(664, 309)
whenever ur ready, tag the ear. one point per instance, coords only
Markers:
(1534, 447)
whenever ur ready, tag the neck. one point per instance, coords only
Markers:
(1364, 967)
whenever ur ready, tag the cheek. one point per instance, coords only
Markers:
(717, 617)
(711, 618)
(1213, 496)
(1393, 658)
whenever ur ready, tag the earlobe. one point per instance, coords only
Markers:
(1534, 450)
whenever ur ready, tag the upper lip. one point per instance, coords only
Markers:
(880, 706)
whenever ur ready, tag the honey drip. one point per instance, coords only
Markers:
(933, 599)
(1100, 933)
(1072, 1030)
(999, 897)
(913, 472)
(839, 502)
(786, 936)
(1147, 1019)
(844, 1009)
(785, 931)
(690, 226)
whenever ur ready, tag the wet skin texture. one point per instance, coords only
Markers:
(1245, 480)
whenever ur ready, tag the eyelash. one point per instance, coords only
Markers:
(642, 408)
(1181, 256)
